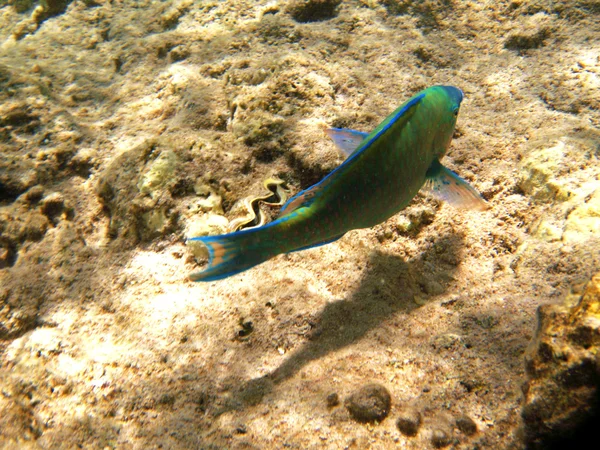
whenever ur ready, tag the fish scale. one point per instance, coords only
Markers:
(383, 173)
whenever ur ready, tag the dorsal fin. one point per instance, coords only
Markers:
(346, 140)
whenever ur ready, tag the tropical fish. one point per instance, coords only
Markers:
(383, 172)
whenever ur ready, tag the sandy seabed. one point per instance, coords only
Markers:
(127, 125)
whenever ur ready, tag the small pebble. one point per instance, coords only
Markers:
(246, 331)
(8, 254)
(53, 205)
(333, 399)
(409, 421)
(241, 429)
(371, 403)
(466, 425)
(167, 399)
(446, 341)
(34, 194)
(439, 438)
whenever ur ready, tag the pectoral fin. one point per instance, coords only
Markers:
(346, 140)
(445, 185)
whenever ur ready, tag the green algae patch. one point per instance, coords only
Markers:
(548, 231)
(159, 174)
(140, 207)
(156, 220)
(583, 222)
(210, 201)
(590, 303)
(204, 217)
(539, 174)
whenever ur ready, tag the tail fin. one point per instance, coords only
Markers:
(233, 253)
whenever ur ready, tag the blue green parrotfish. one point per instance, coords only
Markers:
(383, 172)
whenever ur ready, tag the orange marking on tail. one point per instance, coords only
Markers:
(218, 253)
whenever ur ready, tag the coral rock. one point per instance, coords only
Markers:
(563, 369)
(371, 403)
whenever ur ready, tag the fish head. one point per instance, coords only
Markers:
(446, 101)
(454, 94)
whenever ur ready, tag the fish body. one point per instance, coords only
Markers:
(383, 173)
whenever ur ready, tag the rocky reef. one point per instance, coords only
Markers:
(127, 127)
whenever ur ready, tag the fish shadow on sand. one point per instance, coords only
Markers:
(389, 286)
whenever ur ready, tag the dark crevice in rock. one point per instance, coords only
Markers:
(8, 253)
(9, 192)
(306, 11)
(522, 42)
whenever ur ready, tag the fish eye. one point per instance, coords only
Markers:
(455, 111)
